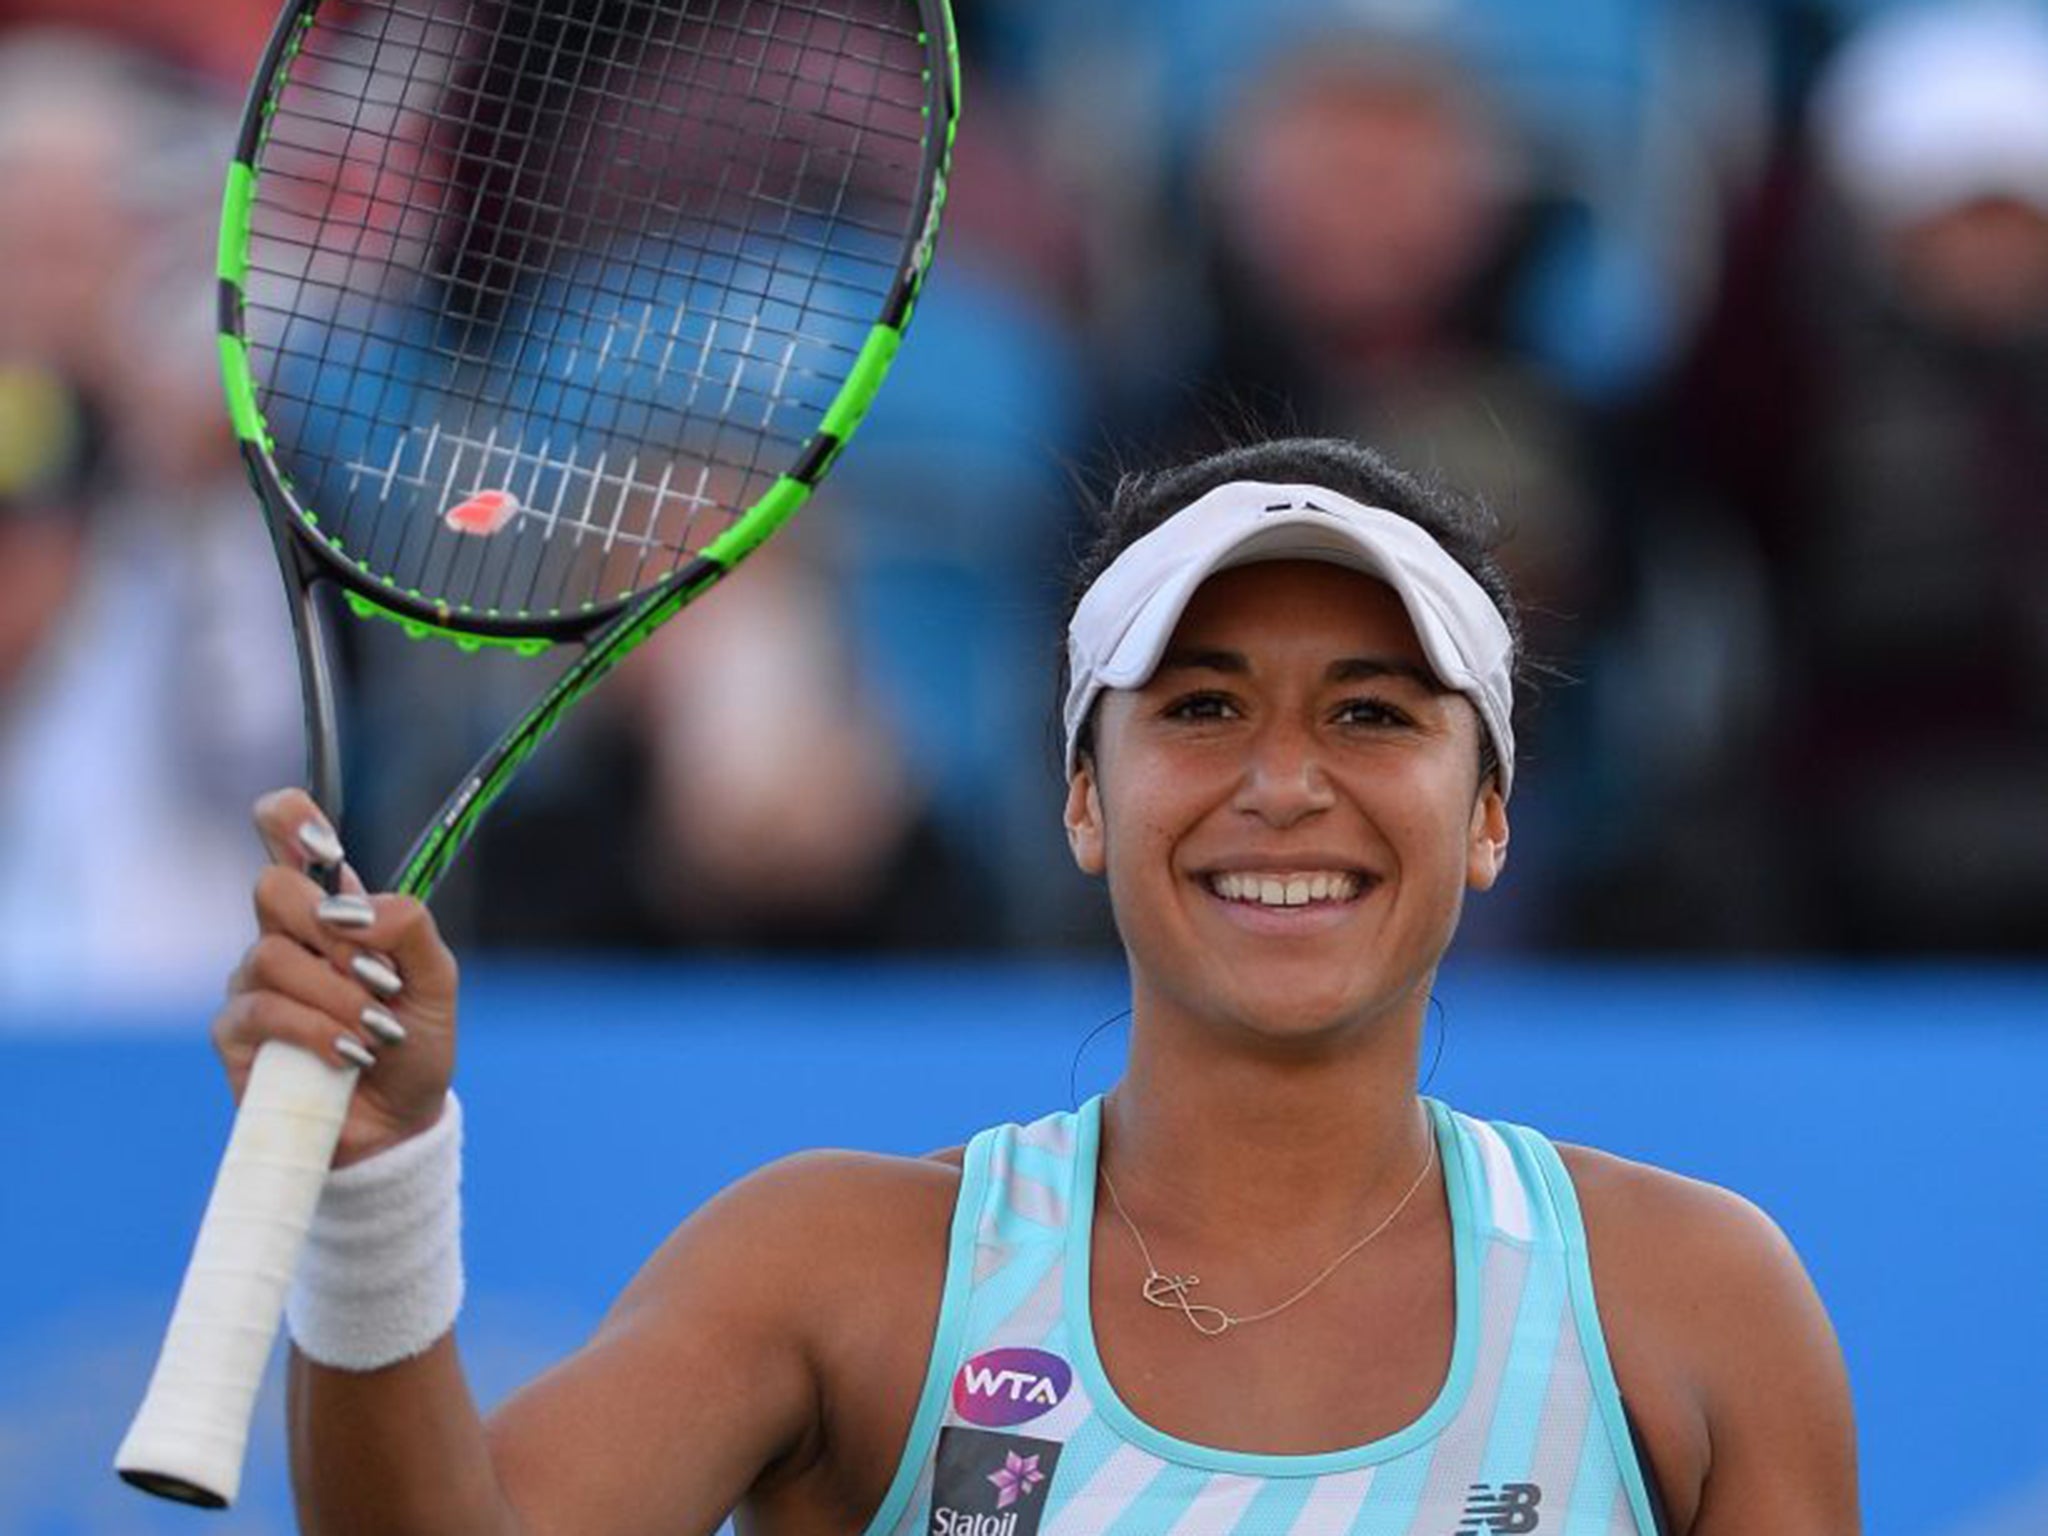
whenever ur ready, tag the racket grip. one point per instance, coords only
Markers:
(188, 1438)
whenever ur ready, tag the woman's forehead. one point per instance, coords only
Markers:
(1296, 603)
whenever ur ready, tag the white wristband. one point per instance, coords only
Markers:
(381, 1277)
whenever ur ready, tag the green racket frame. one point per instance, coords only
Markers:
(608, 631)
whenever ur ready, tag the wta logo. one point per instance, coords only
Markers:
(999, 1387)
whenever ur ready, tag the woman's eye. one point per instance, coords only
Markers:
(1200, 706)
(1371, 712)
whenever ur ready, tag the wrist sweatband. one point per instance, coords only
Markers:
(381, 1276)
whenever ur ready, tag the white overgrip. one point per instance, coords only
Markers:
(188, 1438)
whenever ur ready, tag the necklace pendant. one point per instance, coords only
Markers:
(1170, 1294)
(1169, 1290)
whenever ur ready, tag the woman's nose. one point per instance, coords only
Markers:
(1285, 779)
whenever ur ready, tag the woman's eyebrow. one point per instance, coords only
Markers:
(1181, 660)
(1347, 669)
(1359, 669)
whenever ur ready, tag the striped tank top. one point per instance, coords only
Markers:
(1018, 1431)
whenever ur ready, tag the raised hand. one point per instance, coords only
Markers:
(357, 979)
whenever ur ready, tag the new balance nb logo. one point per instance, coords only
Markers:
(1502, 1509)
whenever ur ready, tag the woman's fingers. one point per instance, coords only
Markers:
(298, 836)
(358, 979)
(281, 967)
(289, 902)
(294, 831)
(399, 948)
(253, 1018)
(388, 943)
(367, 984)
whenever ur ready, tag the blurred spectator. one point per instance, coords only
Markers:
(1874, 399)
(219, 39)
(1634, 112)
(145, 684)
(1372, 216)
(59, 232)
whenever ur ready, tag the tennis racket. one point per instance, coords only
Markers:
(536, 317)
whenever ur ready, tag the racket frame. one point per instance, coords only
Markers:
(608, 630)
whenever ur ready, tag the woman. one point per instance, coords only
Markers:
(1306, 1300)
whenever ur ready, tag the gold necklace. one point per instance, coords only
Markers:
(1170, 1292)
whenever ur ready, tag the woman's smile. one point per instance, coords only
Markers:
(1302, 896)
(1288, 888)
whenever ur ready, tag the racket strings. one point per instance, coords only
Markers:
(837, 214)
(319, 145)
(491, 163)
(499, 186)
(417, 157)
(616, 263)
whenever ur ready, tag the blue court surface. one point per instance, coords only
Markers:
(1891, 1120)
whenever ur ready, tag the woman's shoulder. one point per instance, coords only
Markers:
(1718, 1337)
(776, 1224)
(854, 1195)
(1671, 1210)
(770, 1253)
(1684, 1270)
(1684, 1254)
(1690, 1252)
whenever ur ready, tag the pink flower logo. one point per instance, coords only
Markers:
(1017, 1476)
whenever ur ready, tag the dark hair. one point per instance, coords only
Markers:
(1142, 501)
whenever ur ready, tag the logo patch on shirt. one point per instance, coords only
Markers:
(990, 1485)
(1000, 1387)
(1501, 1509)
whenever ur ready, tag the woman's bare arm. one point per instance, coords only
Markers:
(701, 1378)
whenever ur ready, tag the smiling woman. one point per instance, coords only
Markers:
(1288, 708)
(1311, 1302)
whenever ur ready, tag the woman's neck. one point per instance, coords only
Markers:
(1265, 1141)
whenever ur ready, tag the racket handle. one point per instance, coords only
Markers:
(188, 1439)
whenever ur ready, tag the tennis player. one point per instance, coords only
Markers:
(1262, 1288)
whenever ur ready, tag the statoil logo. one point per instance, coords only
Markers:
(999, 1387)
(986, 1483)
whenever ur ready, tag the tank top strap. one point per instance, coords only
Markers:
(1020, 1232)
(1555, 1396)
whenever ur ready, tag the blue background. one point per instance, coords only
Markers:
(1892, 1121)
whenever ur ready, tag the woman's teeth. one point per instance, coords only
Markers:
(1290, 889)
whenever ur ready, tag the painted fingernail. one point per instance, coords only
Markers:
(382, 1025)
(376, 975)
(346, 911)
(354, 1050)
(319, 841)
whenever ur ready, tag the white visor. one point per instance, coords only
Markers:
(1123, 623)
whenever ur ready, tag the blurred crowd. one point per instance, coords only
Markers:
(1734, 311)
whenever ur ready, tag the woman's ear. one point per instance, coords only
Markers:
(1486, 847)
(1084, 818)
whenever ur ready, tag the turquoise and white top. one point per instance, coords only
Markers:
(1019, 1432)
